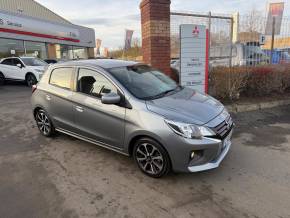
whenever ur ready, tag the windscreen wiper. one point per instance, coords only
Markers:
(162, 94)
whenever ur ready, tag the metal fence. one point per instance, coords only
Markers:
(236, 40)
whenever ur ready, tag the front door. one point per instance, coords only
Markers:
(20, 72)
(95, 120)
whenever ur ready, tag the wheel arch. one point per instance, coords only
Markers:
(151, 136)
(37, 108)
(29, 73)
(2, 74)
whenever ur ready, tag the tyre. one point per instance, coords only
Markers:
(151, 158)
(44, 123)
(2, 79)
(30, 80)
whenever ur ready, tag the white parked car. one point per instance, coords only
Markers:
(28, 69)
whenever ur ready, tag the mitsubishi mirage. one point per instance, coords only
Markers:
(135, 110)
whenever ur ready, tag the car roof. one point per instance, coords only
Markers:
(103, 63)
(27, 57)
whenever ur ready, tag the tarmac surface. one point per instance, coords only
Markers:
(65, 177)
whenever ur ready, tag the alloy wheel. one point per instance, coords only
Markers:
(30, 80)
(43, 123)
(149, 158)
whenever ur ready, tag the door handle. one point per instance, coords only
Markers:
(79, 109)
(48, 97)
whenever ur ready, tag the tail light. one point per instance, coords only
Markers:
(34, 87)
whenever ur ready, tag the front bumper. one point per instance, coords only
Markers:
(210, 152)
(213, 164)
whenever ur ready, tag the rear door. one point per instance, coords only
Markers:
(95, 120)
(58, 97)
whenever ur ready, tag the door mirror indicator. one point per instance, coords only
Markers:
(111, 98)
(19, 65)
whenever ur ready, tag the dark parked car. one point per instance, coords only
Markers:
(51, 61)
(135, 110)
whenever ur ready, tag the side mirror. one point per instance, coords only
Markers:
(19, 65)
(111, 98)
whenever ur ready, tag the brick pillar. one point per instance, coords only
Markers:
(155, 21)
(51, 51)
(91, 52)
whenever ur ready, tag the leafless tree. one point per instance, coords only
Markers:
(252, 21)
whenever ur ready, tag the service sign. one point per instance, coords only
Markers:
(194, 57)
(36, 28)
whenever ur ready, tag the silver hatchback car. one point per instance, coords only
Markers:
(135, 110)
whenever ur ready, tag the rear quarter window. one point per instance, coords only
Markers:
(61, 77)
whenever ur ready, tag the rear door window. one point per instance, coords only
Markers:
(8, 61)
(62, 77)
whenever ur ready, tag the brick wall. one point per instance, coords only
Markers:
(155, 20)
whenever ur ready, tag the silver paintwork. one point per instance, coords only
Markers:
(116, 127)
(213, 164)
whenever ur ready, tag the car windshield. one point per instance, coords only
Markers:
(144, 82)
(33, 62)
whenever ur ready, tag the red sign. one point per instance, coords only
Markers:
(277, 9)
(275, 12)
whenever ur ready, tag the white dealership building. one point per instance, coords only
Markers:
(28, 28)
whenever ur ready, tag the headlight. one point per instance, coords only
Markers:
(189, 130)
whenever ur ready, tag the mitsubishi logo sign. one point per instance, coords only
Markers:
(195, 31)
(194, 47)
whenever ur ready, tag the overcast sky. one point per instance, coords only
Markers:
(110, 18)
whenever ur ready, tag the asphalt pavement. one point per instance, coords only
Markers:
(65, 177)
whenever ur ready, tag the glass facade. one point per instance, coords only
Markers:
(12, 47)
(67, 52)
(80, 52)
(35, 49)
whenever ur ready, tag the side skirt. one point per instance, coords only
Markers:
(16, 80)
(92, 141)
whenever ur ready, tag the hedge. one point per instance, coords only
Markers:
(231, 83)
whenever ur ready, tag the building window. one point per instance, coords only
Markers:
(68, 52)
(11, 47)
(35, 49)
(80, 52)
(64, 52)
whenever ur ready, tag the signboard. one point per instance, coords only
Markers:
(275, 12)
(128, 39)
(194, 45)
(262, 39)
(37, 28)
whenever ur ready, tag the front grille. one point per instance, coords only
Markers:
(224, 128)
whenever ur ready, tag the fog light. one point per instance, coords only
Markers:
(192, 155)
